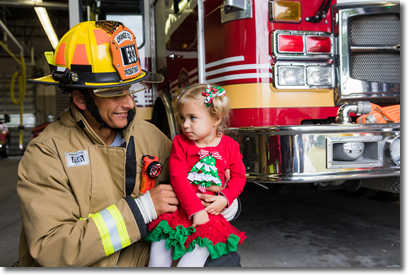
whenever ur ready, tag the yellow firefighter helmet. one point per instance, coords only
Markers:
(100, 55)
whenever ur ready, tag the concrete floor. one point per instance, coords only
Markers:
(318, 229)
(10, 219)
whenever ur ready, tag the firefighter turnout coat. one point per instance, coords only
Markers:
(77, 194)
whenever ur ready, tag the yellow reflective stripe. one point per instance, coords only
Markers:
(120, 224)
(80, 218)
(112, 228)
(104, 232)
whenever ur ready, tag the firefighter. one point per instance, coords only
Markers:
(79, 180)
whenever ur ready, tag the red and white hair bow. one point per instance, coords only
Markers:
(210, 93)
(203, 153)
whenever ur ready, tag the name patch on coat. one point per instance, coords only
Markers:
(77, 159)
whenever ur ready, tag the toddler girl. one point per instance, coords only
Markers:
(198, 159)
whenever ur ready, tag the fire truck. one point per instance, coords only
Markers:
(298, 75)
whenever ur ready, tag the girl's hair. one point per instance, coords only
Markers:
(219, 107)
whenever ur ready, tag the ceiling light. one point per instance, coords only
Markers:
(46, 23)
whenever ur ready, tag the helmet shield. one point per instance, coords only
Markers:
(120, 91)
(154, 78)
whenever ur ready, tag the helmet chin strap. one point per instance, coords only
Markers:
(93, 109)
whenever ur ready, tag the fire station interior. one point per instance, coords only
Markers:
(21, 24)
(288, 226)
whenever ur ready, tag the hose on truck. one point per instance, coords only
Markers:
(381, 115)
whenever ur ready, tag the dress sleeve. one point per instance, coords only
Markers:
(237, 168)
(185, 192)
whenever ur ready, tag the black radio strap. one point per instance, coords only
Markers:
(131, 168)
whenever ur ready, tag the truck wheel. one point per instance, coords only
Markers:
(352, 188)
(163, 125)
(159, 118)
(5, 153)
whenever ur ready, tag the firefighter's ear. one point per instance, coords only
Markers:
(78, 99)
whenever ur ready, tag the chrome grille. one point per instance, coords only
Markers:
(375, 30)
(376, 67)
(378, 29)
(367, 39)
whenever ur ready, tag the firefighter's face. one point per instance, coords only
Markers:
(114, 110)
(197, 123)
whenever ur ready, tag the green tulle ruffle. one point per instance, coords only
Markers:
(177, 238)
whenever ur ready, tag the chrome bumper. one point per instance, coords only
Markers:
(301, 154)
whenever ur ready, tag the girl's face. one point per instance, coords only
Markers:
(197, 123)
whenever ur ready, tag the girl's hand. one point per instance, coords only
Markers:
(200, 218)
(217, 206)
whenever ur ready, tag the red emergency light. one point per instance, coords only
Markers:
(290, 44)
(318, 44)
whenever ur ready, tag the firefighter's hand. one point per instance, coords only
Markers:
(164, 199)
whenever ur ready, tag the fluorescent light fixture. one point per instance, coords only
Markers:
(46, 23)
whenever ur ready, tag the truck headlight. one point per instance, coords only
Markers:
(319, 76)
(291, 75)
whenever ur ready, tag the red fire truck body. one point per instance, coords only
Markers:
(250, 41)
(297, 73)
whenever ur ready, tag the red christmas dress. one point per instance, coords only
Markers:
(188, 161)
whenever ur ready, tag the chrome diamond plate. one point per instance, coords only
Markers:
(391, 184)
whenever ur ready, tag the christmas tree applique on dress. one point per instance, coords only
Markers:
(204, 173)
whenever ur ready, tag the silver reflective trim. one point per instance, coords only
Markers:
(113, 230)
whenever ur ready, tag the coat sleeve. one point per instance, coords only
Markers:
(56, 233)
(185, 192)
(237, 168)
